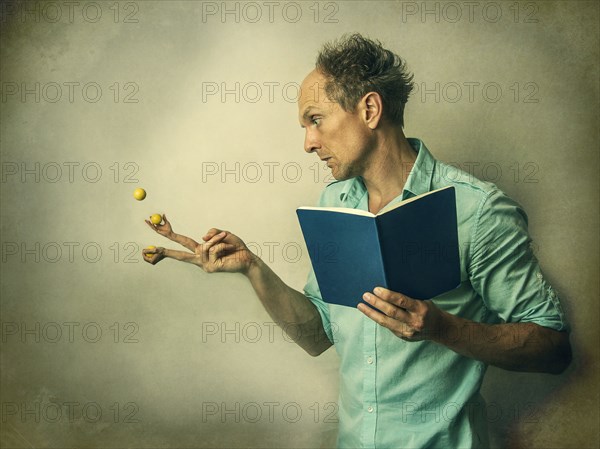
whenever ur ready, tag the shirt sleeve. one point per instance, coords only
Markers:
(313, 293)
(504, 270)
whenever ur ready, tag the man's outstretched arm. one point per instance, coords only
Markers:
(223, 251)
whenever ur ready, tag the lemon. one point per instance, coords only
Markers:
(139, 194)
(150, 247)
(155, 219)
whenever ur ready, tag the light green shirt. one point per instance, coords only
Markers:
(398, 394)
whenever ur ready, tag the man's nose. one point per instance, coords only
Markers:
(310, 142)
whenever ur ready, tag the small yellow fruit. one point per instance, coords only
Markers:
(155, 219)
(150, 247)
(139, 194)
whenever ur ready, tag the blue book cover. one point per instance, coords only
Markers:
(410, 247)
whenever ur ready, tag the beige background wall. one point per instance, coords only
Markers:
(187, 359)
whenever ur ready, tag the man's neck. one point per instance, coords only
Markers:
(387, 173)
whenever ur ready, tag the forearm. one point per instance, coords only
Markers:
(511, 346)
(289, 308)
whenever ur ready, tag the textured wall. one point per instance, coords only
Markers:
(102, 350)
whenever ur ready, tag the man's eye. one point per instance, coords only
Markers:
(315, 120)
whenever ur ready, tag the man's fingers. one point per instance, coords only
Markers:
(214, 239)
(217, 250)
(389, 309)
(378, 317)
(211, 233)
(153, 256)
(205, 248)
(183, 256)
(155, 227)
(399, 328)
(398, 299)
(165, 221)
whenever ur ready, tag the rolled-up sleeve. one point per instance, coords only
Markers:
(504, 270)
(312, 292)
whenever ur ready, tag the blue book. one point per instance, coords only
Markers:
(410, 247)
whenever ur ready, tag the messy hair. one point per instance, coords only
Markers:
(354, 66)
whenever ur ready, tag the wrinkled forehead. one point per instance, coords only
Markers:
(312, 91)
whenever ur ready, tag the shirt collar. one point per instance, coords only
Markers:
(418, 181)
(421, 174)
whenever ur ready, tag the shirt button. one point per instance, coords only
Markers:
(369, 360)
(370, 409)
(540, 276)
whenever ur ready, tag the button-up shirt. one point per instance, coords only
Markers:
(399, 394)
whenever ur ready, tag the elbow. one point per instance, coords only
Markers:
(562, 354)
(317, 349)
(559, 366)
(313, 353)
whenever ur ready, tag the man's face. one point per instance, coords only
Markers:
(340, 137)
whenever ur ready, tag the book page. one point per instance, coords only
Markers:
(409, 200)
(364, 213)
(343, 210)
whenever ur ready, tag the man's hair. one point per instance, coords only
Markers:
(354, 65)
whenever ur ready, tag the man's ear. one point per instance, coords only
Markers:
(372, 109)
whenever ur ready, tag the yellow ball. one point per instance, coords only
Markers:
(139, 194)
(155, 219)
(150, 247)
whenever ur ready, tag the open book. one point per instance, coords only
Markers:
(410, 247)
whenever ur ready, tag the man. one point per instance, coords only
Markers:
(410, 376)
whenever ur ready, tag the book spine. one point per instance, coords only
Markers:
(380, 253)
